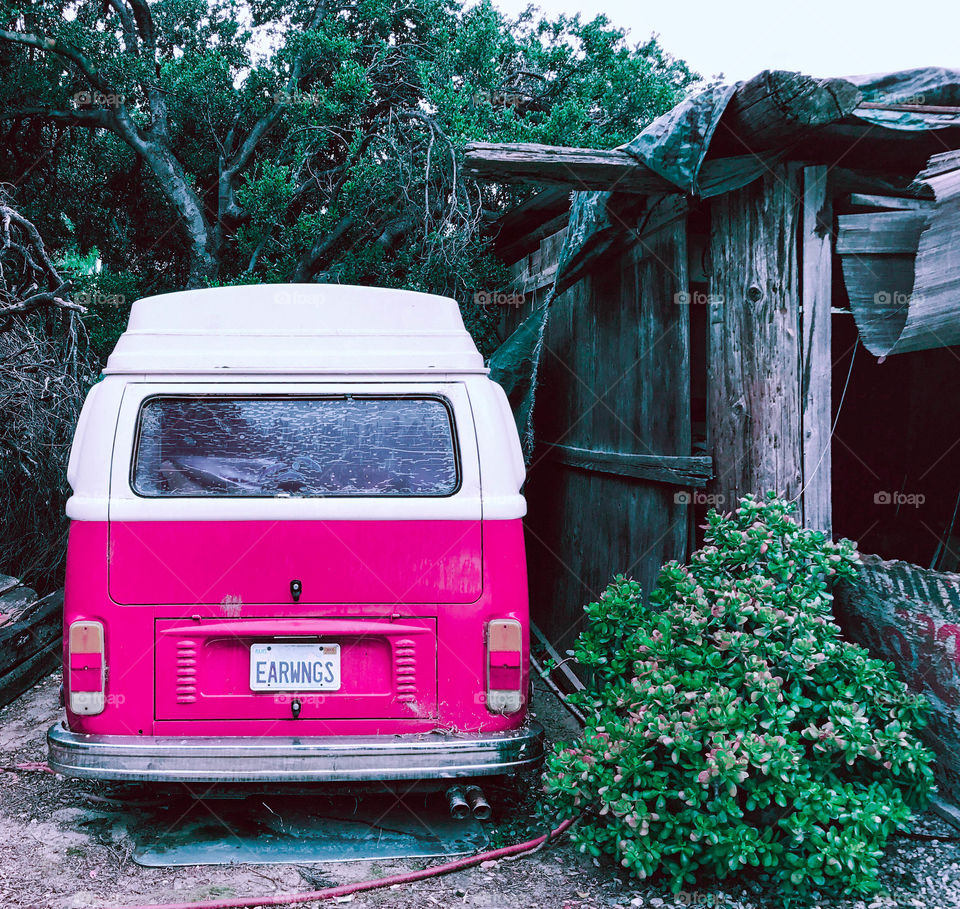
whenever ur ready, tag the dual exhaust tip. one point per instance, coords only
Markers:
(466, 800)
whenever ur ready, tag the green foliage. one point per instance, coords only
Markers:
(366, 147)
(731, 726)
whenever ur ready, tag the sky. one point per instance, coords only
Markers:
(739, 38)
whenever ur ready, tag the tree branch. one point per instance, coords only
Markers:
(97, 118)
(127, 25)
(55, 46)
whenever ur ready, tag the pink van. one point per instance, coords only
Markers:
(296, 549)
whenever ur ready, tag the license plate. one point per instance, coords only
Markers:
(295, 667)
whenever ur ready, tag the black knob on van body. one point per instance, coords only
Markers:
(295, 708)
(296, 588)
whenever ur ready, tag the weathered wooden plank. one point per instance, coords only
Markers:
(554, 165)
(524, 244)
(915, 303)
(889, 203)
(29, 672)
(753, 358)
(912, 108)
(911, 617)
(772, 110)
(614, 377)
(939, 165)
(530, 283)
(676, 470)
(776, 107)
(884, 232)
(817, 360)
(519, 232)
(632, 219)
(14, 601)
(535, 273)
(879, 288)
(34, 628)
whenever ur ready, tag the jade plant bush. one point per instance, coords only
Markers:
(732, 728)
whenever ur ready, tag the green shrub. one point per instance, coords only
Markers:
(732, 728)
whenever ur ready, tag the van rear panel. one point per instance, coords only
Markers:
(233, 563)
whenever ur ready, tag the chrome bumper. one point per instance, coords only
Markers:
(272, 759)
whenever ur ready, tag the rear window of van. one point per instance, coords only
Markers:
(353, 445)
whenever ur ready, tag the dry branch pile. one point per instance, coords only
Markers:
(45, 369)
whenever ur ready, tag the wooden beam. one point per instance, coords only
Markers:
(772, 110)
(856, 144)
(889, 203)
(816, 363)
(525, 243)
(676, 470)
(775, 108)
(883, 232)
(912, 108)
(553, 165)
(753, 348)
(529, 216)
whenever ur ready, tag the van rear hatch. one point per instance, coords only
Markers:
(295, 495)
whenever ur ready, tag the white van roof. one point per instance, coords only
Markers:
(295, 328)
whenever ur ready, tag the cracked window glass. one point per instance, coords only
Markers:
(343, 446)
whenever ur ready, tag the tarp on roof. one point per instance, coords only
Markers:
(676, 146)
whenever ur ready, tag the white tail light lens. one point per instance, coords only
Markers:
(86, 668)
(504, 666)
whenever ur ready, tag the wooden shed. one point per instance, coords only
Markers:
(761, 292)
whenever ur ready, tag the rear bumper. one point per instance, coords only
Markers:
(272, 759)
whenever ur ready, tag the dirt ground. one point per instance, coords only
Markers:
(65, 844)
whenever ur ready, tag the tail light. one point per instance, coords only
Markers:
(86, 668)
(504, 666)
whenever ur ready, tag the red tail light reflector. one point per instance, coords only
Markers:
(86, 668)
(504, 666)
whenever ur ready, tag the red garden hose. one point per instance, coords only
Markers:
(347, 889)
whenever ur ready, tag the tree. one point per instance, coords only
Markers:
(291, 141)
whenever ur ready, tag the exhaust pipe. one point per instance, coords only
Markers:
(478, 804)
(457, 801)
